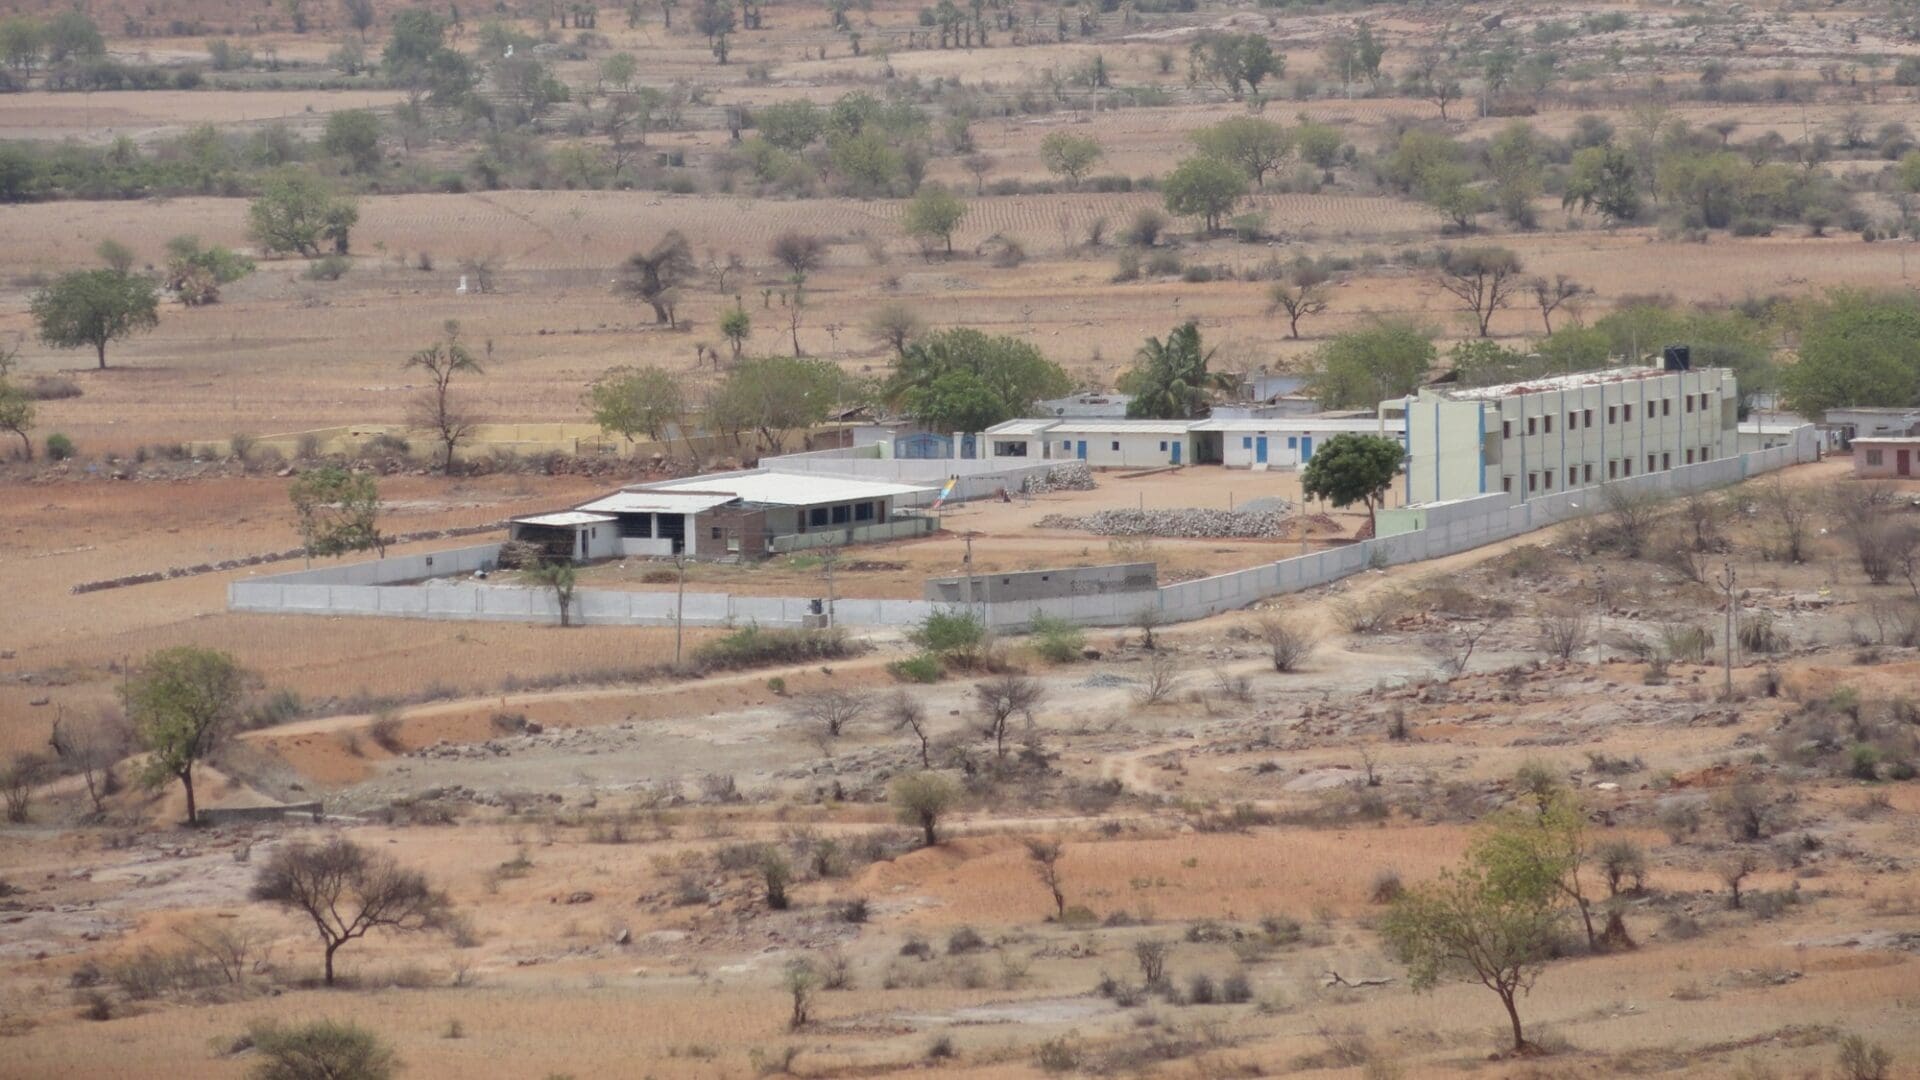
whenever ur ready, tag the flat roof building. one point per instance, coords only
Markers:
(1878, 457)
(1239, 442)
(1548, 434)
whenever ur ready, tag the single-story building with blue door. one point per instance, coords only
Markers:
(1101, 443)
(1284, 442)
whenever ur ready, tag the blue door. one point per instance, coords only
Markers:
(1080, 450)
(1176, 451)
(1306, 447)
(1260, 450)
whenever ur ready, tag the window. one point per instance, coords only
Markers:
(1626, 466)
(1533, 481)
(1666, 461)
(1066, 444)
(1706, 453)
(1246, 442)
(1626, 413)
(863, 512)
(817, 516)
(1293, 442)
(1703, 401)
(1874, 457)
(1613, 470)
(842, 515)
(717, 533)
(1588, 469)
(1546, 424)
(1589, 415)
(1546, 480)
(1689, 456)
(1116, 444)
(1506, 484)
(1573, 420)
(1506, 429)
(1573, 475)
(1689, 402)
(1649, 462)
(1163, 446)
(1666, 406)
(1533, 425)
(1613, 414)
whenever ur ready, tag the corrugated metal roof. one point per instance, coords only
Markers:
(656, 502)
(782, 489)
(1298, 423)
(564, 518)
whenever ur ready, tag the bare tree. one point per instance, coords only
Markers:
(1792, 515)
(1549, 295)
(1452, 651)
(1735, 871)
(1289, 644)
(895, 326)
(1044, 856)
(656, 275)
(228, 947)
(1163, 678)
(1304, 293)
(1563, 632)
(801, 253)
(1146, 619)
(1002, 698)
(348, 891)
(1632, 515)
(1483, 278)
(437, 409)
(907, 714)
(1880, 541)
(17, 782)
(92, 747)
(830, 711)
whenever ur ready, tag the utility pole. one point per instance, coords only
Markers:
(829, 555)
(679, 604)
(1726, 583)
(966, 567)
(1599, 614)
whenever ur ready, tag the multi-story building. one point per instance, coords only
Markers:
(1549, 434)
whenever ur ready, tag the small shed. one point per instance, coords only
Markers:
(570, 534)
(1882, 458)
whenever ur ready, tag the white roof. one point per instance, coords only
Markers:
(563, 518)
(782, 489)
(1100, 426)
(1549, 383)
(1021, 427)
(1298, 423)
(656, 502)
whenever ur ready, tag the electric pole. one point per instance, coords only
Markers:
(679, 605)
(1726, 582)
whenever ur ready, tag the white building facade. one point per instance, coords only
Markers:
(1549, 434)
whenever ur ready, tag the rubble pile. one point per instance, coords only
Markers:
(1067, 476)
(1185, 523)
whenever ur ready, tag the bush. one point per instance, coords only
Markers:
(321, 1050)
(328, 268)
(59, 447)
(1236, 988)
(918, 668)
(965, 940)
(1201, 990)
(1863, 1060)
(1056, 639)
(754, 646)
(957, 636)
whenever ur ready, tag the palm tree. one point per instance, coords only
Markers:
(1170, 379)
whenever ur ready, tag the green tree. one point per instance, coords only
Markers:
(866, 162)
(1254, 144)
(656, 275)
(1545, 837)
(1170, 380)
(183, 706)
(921, 799)
(1573, 348)
(964, 380)
(619, 69)
(354, 134)
(70, 35)
(1317, 144)
(1350, 468)
(437, 409)
(775, 396)
(1361, 368)
(630, 401)
(319, 1050)
(1069, 155)
(1857, 347)
(736, 326)
(338, 512)
(1603, 178)
(418, 35)
(790, 125)
(295, 211)
(1302, 293)
(1490, 919)
(349, 891)
(16, 414)
(1514, 161)
(1205, 187)
(1484, 362)
(933, 215)
(559, 577)
(94, 307)
(1708, 185)
(22, 39)
(1237, 63)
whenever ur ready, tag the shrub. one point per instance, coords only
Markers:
(328, 268)
(1236, 988)
(957, 636)
(754, 646)
(1863, 1060)
(59, 447)
(1386, 887)
(322, 1049)
(1290, 644)
(1201, 990)
(965, 940)
(918, 668)
(1059, 640)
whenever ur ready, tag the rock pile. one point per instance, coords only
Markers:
(1067, 476)
(1185, 523)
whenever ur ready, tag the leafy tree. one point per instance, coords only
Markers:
(895, 325)
(1169, 380)
(1205, 187)
(921, 799)
(1484, 362)
(338, 511)
(1255, 144)
(777, 395)
(866, 161)
(1317, 144)
(115, 254)
(933, 215)
(801, 253)
(195, 273)
(183, 705)
(1361, 368)
(1857, 347)
(295, 211)
(1719, 339)
(1572, 348)
(736, 326)
(559, 577)
(790, 125)
(437, 410)
(354, 134)
(633, 400)
(93, 307)
(1237, 63)
(22, 38)
(1603, 178)
(656, 275)
(1418, 157)
(349, 891)
(16, 414)
(1514, 161)
(1044, 858)
(1709, 185)
(319, 1050)
(70, 35)
(964, 380)
(1302, 293)
(359, 15)
(1483, 279)
(1484, 918)
(1545, 835)
(418, 35)
(1069, 155)
(1350, 468)
(1354, 55)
